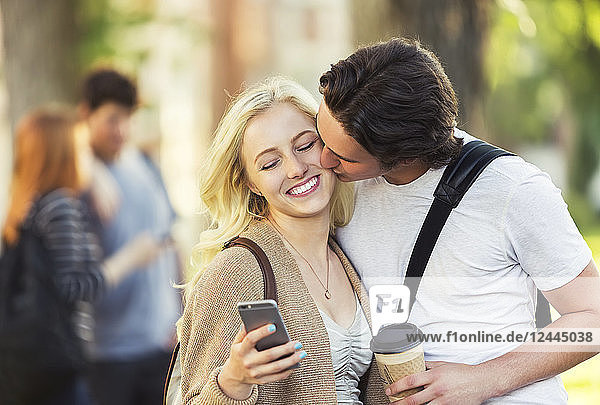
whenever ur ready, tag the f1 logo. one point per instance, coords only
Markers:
(389, 304)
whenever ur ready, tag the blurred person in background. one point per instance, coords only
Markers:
(147, 136)
(135, 321)
(44, 198)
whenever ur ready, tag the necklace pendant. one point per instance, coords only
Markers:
(327, 294)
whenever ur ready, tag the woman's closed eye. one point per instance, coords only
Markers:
(302, 148)
(269, 165)
(306, 146)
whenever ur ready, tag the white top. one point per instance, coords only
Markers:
(510, 232)
(350, 354)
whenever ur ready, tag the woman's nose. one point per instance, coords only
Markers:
(296, 167)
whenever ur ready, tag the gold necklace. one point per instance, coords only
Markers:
(326, 285)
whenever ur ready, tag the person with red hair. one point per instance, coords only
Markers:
(44, 200)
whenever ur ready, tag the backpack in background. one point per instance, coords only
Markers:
(39, 352)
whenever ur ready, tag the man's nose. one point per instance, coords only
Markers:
(328, 159)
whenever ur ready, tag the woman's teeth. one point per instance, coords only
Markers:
(304, 188)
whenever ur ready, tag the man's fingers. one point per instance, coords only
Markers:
(408, 382)
(421, 397)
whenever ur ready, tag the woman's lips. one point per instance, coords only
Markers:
(305, 188)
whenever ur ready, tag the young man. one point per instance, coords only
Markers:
(135, 321)
(389, 119)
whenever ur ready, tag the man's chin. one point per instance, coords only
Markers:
(345, 178)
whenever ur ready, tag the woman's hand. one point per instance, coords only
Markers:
(247, 366)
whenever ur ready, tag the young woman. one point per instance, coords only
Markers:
(263, 181)
(45, 185)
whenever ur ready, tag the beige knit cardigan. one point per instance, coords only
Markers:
(210, 323)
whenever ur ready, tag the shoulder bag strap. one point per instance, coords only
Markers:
(263, 262)
(269, 283)
(456, 180)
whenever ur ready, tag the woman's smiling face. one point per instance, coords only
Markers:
(281, 156)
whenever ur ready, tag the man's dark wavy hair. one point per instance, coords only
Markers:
(395, 99)
(107, 85)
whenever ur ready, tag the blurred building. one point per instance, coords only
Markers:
(299, 39)
(199, 53)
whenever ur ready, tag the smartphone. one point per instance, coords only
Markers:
(255, 314)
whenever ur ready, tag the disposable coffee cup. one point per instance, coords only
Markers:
(398, 355)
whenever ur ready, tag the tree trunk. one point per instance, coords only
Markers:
(455, 30)
(40, 43)
(228, 70)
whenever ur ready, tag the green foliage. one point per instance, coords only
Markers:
(585, 157)
(583, 214)
(543, 69)
(126, 33)
(105, 28)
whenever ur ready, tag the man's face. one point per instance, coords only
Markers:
(109, 129)
(342, 153)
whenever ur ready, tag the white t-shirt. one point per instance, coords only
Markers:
(510, 232)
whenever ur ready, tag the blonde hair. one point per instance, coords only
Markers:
(224, 191)
(45, 160)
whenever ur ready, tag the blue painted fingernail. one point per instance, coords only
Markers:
(298, 346)
(271, 328)
(302, 354)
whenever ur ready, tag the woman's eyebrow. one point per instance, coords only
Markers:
(293, 140)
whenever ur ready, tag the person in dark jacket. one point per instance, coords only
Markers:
(46, 183)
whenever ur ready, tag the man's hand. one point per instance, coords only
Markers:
(445, 383)
(136, 254)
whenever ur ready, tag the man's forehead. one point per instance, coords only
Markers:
(335, 137)
(329, 128)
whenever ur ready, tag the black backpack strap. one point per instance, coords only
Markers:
(458, 176)
(269, 283)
